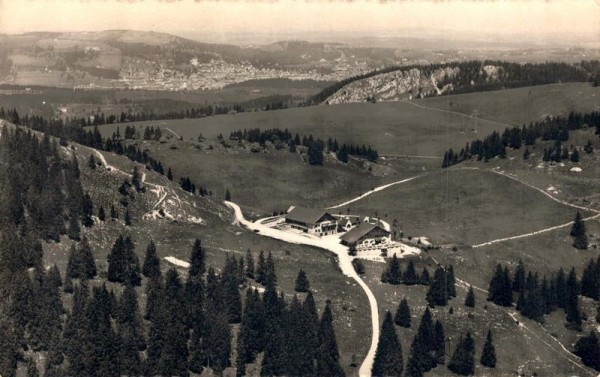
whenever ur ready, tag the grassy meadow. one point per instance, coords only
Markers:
(517, 106)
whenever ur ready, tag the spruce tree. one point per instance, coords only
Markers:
(87, 207)
(393, 273)
(410, 275)
(328, 357)
(127, 217)
(580, 240)
(113, 212)
(439, 343)
(402, 317)
(151, 267)
(261, 270)
(438, 289)
(388, 357)
(101, 214)
(450, 287)
(463, 359)
(250, 269)
(198, 264)
(588, 349)
(425, 280)
(488, 355)
(169, 174)
(136, 180)
(470, 299)
(301, 285)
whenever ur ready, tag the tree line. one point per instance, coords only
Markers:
(282, 138)
(552, 128)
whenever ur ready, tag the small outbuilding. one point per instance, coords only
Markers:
(366, 234)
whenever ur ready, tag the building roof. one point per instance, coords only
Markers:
(306, 215)
(360, 231)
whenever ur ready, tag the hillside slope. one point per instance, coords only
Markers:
(406, 83)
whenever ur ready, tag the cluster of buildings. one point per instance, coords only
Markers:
(357, 233)
(217, 74)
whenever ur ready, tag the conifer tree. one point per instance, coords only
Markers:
(410, 275)
(500, 288)
(169, 174)
(328, 357)
(462, 361)
(439, 341)
(113, 212)
(450, 287)
(123, 263)
(73, 230)
(572, 302)
(388, 357)
(588, 349)
(580, 240)
(136, 180)
(127, 217)
(393, 273)
(438, 289)
(488, 355)
(151, 267)
(217, 334)
(425, 280)
(470, 299)
(87, 207)
(227, 195)
(519, 279)
(302, 284)
(250, 269)
(101, 214)
(261, 270)
(198, 264)
(402, 317)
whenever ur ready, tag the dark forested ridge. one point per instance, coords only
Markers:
(471, 77)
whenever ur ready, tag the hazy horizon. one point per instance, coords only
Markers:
(536, 23)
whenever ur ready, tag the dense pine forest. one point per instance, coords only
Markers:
(472, 78)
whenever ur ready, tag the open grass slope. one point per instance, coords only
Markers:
(219, 237)
(463, 206)
(392, 128)
(517, 106)
(527, 348)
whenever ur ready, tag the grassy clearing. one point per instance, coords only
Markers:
(392, 128)
(516, 106)
(464, 206)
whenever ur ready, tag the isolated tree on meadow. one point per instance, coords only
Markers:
(402, 317)
(101, 214)
(302, 284)
(169, 174)
(470, 299)
(580, 240)
(227, 195)
(488, 355)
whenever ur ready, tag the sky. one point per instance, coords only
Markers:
(213, 19)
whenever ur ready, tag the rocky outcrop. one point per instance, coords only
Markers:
(396, 86)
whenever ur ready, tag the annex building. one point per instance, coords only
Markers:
(365, 234)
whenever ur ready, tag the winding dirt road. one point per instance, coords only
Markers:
(332, 244)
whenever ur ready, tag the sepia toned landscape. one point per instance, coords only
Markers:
(385, 193)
